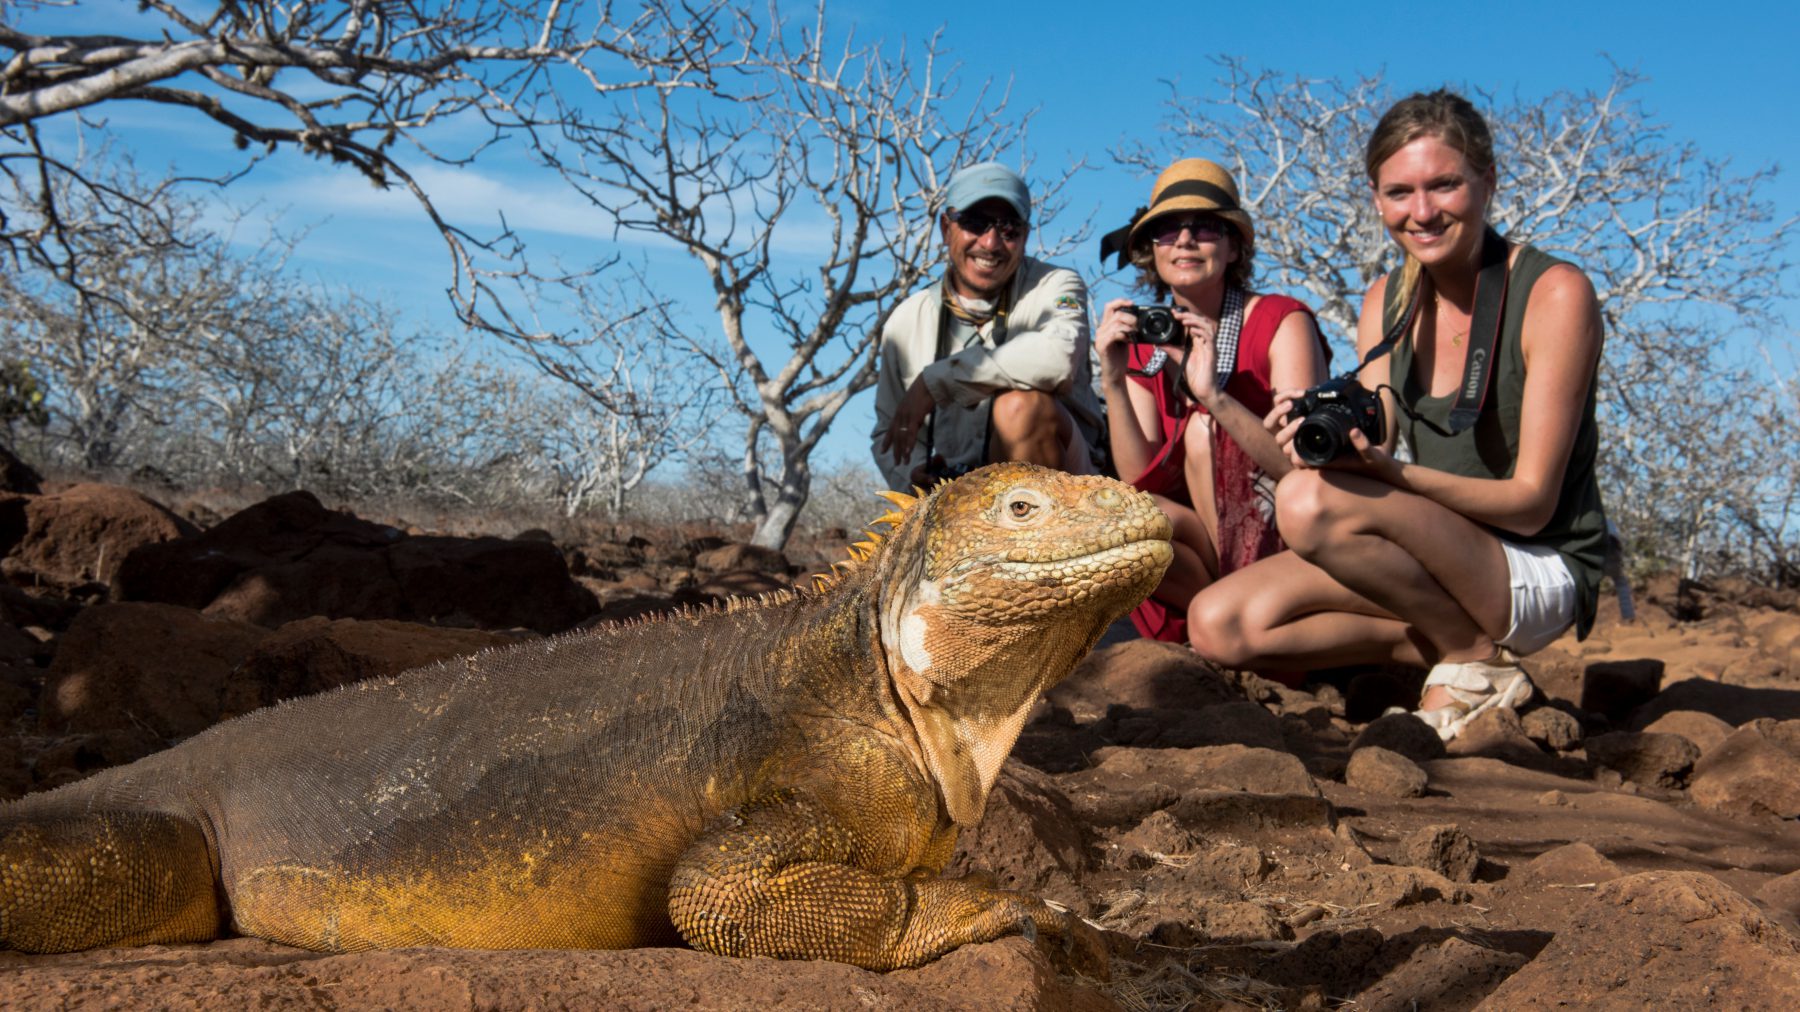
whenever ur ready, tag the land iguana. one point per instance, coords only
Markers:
(784, 777)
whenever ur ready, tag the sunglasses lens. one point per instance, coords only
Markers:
(1167, 233)
(977, 223)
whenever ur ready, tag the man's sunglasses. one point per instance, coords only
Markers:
(978, 222)
(1167, 231)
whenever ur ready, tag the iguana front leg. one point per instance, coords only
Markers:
(781, 879)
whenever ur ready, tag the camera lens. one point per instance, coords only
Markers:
(1157, 325)
(1323, 434)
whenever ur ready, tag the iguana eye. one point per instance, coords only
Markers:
(1020, 505)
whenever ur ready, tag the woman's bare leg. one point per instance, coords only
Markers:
(1196, 562)
(1375, 573)
(1197, 468)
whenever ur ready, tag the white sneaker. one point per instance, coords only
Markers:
(1476, 687)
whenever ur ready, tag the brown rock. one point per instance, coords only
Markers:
(79, 536)
(316, 654)
(1660, 940)
(70, 757)
(1781, 898)
(1703, 729)
(1552, 728)
(154, 666)
(1570, 864)
(282, 529)
(288, 558)
(1243, 924)
(1447, 850)
(1029, 838)
(1380, 771)
(1557, 674)
(721, 586)
(1385, 887)
(1498, 734)
(1235, 723)
(1142, 675)
(1747, 774)
(743, 558)
(1645, 758)
(1455, 973)
(494, 583)
(1160, 838)
(1402, 733)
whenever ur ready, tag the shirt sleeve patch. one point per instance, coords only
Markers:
(1068, 302)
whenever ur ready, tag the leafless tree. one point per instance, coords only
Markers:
(627, 400)
(362, 83)
(810, 212)
(105, 343)
(1683, 252)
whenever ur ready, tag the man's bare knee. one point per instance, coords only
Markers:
(1019, 414)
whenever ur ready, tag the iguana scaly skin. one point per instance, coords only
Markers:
(780, 778)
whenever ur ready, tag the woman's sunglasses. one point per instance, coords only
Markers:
(1167, 232)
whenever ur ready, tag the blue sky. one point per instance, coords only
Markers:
(1722, 75)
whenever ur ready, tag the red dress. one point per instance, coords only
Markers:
(1242, 493)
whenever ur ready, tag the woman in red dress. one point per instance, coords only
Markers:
(1186, 415)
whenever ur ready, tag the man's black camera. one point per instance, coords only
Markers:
(1328, 412)
(1157, 325)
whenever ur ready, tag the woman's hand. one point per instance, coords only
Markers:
(1201, 369)
(1117, 324)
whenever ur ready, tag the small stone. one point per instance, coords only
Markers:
(1402, 733)
(1553, 799)
(1446, 850)
(1382, 771)
(1552, 728)
(1646, 758)
(1705, 730)
(1570, 864)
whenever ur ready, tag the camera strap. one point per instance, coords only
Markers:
(1484, 335)
(1231, 324)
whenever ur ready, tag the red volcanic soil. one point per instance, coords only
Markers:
(1626, 841)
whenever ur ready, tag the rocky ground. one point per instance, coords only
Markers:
(1630, 841)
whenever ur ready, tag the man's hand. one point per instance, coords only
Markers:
(914, 409)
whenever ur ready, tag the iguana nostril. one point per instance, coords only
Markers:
(1108, 499)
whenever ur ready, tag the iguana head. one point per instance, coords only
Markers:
(989, 591)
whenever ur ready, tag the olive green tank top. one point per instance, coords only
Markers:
(1490, 447)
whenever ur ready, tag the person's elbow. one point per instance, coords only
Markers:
(1532, 515)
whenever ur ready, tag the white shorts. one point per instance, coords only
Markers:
(1543, 597)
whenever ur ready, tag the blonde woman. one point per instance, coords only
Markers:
(1484, 541)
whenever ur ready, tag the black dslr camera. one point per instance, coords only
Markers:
(1328, 412)
(1157, 325)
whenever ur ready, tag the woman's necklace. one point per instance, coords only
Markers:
(1456, 338)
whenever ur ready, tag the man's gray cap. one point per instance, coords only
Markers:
(975, 183)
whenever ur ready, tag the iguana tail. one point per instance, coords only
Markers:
(79, 881)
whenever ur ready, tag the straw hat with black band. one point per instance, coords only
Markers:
(1191, 184)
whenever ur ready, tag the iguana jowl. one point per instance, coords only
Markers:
(779, 778)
